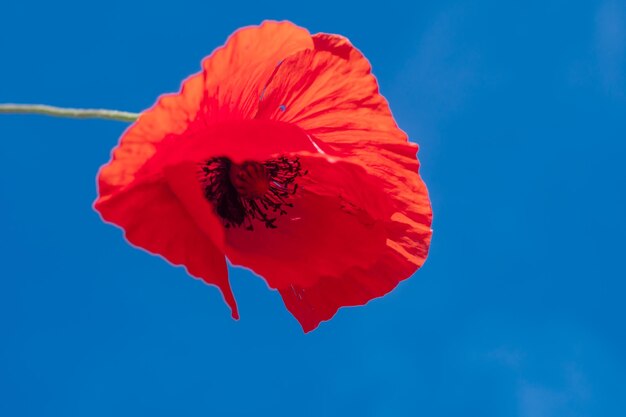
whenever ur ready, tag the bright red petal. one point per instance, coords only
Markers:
(334, 248)
(236, 73)
(331, 227)
(168, 118)
(331, 94)
(154, 220)
(313, 304)
(408, 234)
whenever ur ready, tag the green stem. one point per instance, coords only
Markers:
(121, 116)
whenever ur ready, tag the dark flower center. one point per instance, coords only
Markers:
(251, 190)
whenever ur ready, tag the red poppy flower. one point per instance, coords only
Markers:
(281, 156)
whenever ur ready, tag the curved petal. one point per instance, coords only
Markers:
(334, 224)
(408, 235)
(153, 219)
(409, 230)
(331, 93)
(235, 74)
(238, 140)
(169, 117)
(404, 217)
(357, 286)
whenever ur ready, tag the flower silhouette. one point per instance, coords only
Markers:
(282, 156)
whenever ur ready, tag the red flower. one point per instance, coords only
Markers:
(282, 156)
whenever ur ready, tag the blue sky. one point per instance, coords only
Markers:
(520, 113)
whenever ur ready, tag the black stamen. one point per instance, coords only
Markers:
(237, 210)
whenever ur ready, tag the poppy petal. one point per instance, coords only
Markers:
(169, 117)
(238, 140)
(331, 94)
(332, 249)
(334, 97)
(332, 226)
(408, 236)
(236, 73)
(153, 219)
(355, 287)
